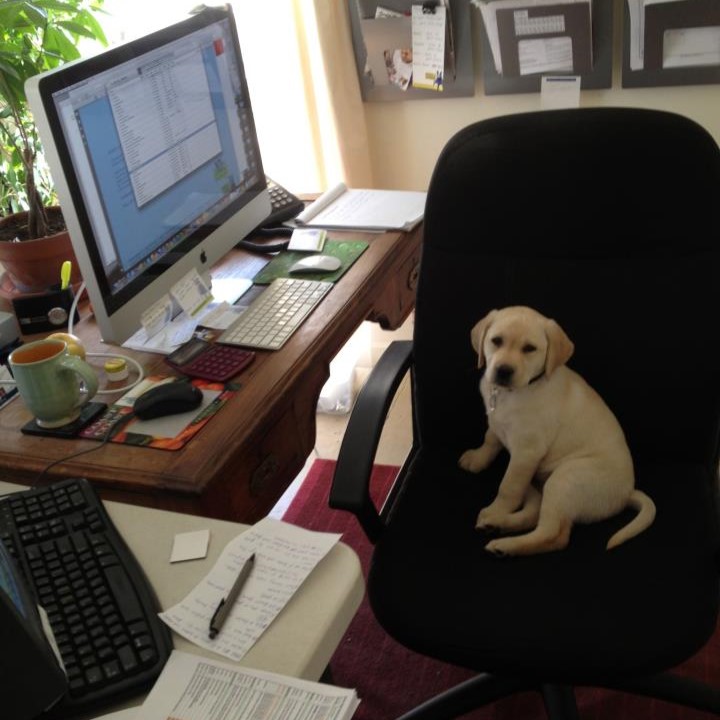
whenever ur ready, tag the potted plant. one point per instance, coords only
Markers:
(35, 36)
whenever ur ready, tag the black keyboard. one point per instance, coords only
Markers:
(102, 610)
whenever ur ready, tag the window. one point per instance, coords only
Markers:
(285, 77)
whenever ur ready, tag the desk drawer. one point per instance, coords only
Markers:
(270, 459)
(397, 299)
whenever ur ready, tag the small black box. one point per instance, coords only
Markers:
(47, 312)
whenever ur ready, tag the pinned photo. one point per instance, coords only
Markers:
(399, 64)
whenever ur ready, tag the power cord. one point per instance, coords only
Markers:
(264, 248)
(120, 421)
(127, 358)
(112, 430)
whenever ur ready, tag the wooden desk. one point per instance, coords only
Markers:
(237, 467)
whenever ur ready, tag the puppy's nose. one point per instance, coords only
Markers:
(503, 374)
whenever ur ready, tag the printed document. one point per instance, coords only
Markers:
(195, 688)
(284, 556)
(356, 209)
(533, 53)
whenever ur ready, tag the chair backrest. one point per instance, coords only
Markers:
(606, 219)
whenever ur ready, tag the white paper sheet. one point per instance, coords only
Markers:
(545, 55)
(428, 47)
(686, 47)
(691, 47)
(190, 546)
(489, 15)
(365, 209)
(560, 92)
(195, 688)
(284, 556)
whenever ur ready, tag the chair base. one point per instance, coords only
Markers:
(559, 700)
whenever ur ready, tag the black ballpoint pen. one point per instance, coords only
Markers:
(226, 604)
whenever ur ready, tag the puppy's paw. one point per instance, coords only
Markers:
(490, 519)
(498, 548)
(475, 460)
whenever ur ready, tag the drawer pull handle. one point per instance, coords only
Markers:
(263, 474)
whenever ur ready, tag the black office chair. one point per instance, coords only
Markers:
(606, 220)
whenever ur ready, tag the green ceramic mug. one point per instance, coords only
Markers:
(53, 384)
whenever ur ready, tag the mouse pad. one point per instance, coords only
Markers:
(347, 251)
(171, 432)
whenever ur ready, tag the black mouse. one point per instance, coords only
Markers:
(167, 399)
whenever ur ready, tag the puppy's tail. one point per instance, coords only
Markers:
(645, 508)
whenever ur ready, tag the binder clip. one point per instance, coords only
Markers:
(428, 7)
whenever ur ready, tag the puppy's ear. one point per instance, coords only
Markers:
(560, 347)
(477, 336)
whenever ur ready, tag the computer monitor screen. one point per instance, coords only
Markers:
(153, 149)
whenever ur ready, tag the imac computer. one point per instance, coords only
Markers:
(153, 150)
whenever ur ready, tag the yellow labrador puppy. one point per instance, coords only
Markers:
(569, 462)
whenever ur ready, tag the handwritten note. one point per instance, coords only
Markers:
(284, 556)
(428, 46)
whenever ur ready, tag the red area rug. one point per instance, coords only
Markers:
(391, 680)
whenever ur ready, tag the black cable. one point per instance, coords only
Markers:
(277, 231)
(263, 248)
(268, 247)
(119, 422)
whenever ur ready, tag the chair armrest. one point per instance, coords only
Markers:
(350, 488)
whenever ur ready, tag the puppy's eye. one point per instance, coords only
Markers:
(528, 348)
(496, 341)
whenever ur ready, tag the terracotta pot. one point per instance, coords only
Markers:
(34, 265)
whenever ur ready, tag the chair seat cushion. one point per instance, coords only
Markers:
(583, 615)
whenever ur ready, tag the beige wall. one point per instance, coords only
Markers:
(407, 137)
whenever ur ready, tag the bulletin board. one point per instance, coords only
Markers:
(592, 48)
(375, 40)
(672, 44)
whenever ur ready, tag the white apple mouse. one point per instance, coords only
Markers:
(316, 263)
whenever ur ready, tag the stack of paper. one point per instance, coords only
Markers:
(195, 688)
(530, 37)
(373, 210)
(681, 34)
(192, 687)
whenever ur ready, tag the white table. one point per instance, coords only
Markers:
(299, 642)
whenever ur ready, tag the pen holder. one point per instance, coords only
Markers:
(45, 311)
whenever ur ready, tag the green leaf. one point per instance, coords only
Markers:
(35, 35)
(60, 6)
(58, 45)
(76, 28)
(7, 69)
(35, 14)
(92, 24)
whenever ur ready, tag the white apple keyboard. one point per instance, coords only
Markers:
(273, 316)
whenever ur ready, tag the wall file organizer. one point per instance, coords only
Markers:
(671, 43)
(374, 37)
(585, 29)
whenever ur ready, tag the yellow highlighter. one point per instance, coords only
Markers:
(65, 271)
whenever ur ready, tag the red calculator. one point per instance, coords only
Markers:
(209, 361)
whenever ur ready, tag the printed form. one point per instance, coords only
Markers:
(194, 688)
